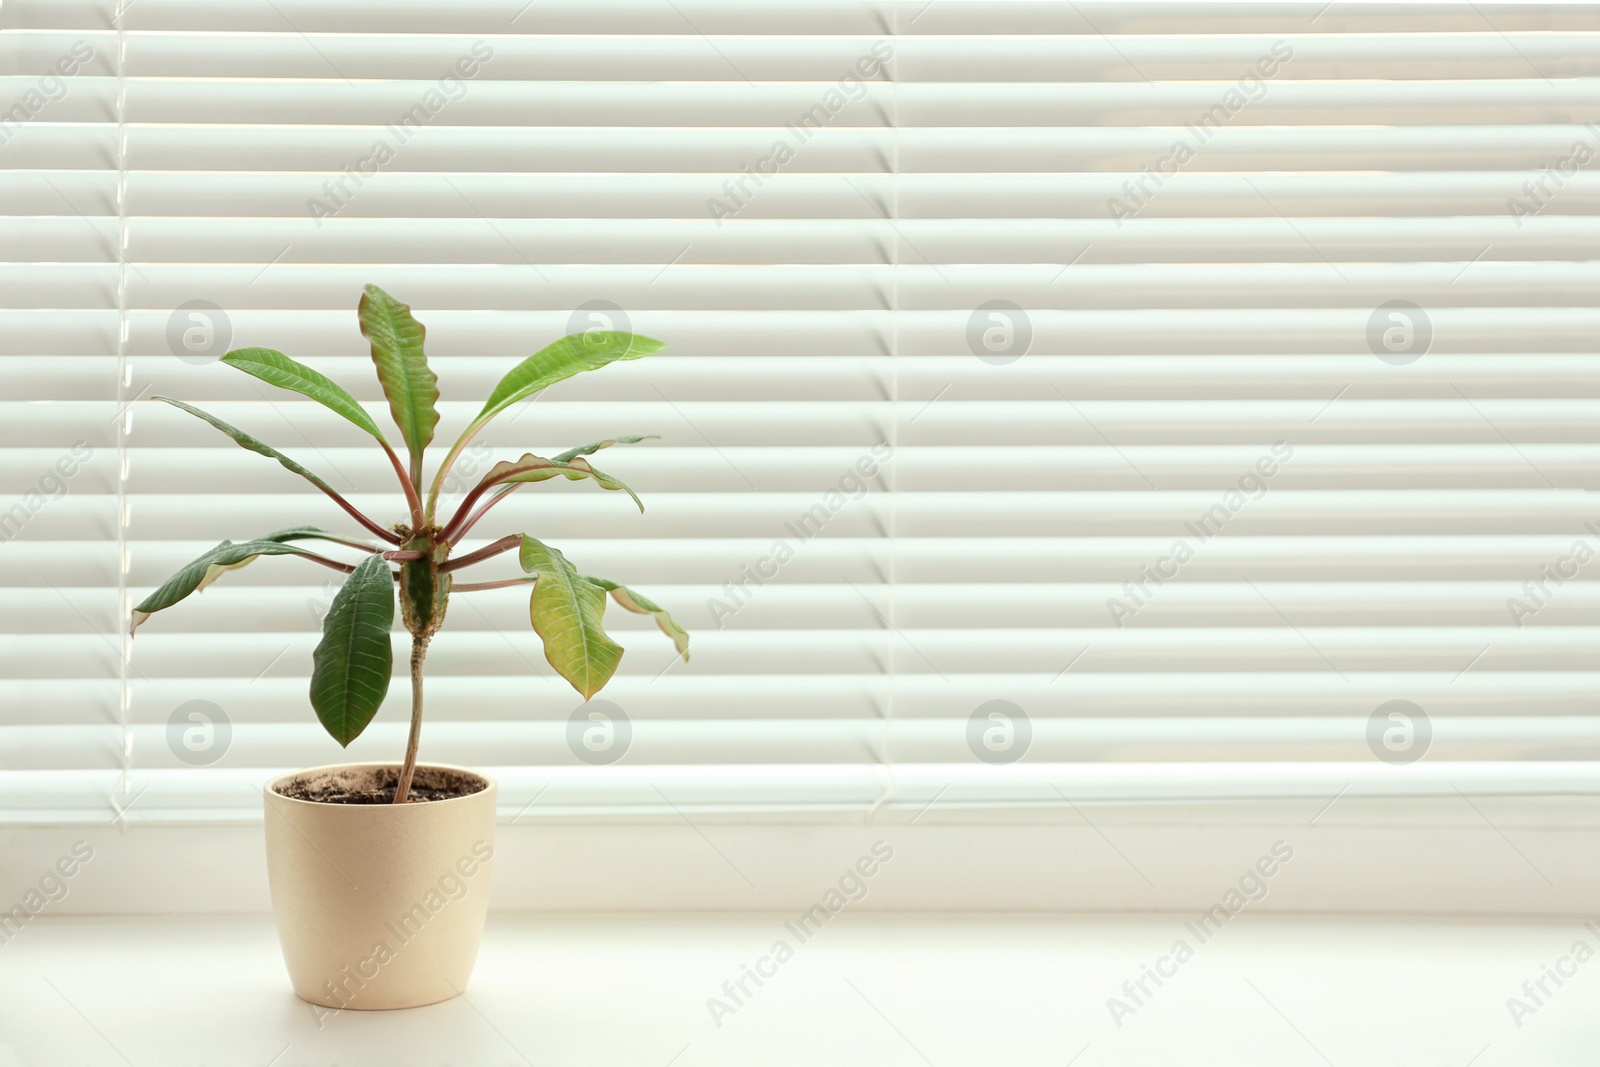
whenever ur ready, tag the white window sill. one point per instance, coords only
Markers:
(868, 989)
(1451, 855)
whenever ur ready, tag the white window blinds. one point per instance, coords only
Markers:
(1096, 400)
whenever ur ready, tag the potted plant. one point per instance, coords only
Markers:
(380, 871)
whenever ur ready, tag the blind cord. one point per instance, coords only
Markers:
(886, 749)
(124, 426)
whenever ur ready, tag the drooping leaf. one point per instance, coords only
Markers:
(595, 446)
(531, 468)
(643, 605)
(207, 568)
(293, 533)
(277, 369)
(244, 440)
(351, 667)
(556, 362)
(411, 387)
(566, 611)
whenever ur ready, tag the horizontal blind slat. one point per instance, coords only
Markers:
(1427, 539)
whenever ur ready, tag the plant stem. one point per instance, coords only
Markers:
(505, 544)
(483, 487)
(461, 524)
(413, 501)
(356, 514)
(419, 651)
(326, 562)
(469, 587)
(444, 468)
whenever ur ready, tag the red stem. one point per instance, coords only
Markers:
(505, 544)
(483, 487)
(326, 562)
(461, 512)
(458, 529)
(408, 554)
(377, 530)
(413, 501)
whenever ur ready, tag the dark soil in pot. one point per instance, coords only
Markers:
(376, 785)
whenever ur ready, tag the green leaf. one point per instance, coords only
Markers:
(556, 362)
(571, 355)
(207, 568)
(531, 468)
(351, 667)
(642, 605)
(244, 440)
(595, 446)
(403, 371)
(566, 613)
(277, 369)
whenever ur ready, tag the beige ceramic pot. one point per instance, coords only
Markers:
(379, 905)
